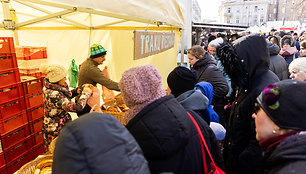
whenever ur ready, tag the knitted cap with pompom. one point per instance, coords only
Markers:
(54, 73)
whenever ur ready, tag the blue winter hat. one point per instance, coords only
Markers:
(97, 51)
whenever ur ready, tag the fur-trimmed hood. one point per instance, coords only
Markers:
(287, 37)
(246, 59)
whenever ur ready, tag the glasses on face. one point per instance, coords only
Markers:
(256, 108)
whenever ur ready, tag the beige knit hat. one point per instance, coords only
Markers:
(54, 73)
(299, 64)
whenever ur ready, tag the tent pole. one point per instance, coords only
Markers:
(92, 11)
(44, 18)
(7, 19)
(182, 46)
(48, 12)
(112, 23)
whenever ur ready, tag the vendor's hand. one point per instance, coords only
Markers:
(96, 108)
(87, 90)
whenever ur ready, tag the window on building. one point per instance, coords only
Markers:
(228, 21)
(237, 21)
(238, 11)
(228, 10)
(274, 10)
(256, 8)
(261, 19)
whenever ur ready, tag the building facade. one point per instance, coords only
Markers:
(244, 12)
(196, 11)
(287, 10)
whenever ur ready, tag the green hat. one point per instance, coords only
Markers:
(97, 51)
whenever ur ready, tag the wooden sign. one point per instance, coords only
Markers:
(147, 43)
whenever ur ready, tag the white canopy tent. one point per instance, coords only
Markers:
(68, 27)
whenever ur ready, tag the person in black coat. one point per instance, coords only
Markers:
(97, 143)
(278, 64)
(161, 126)
(206, 68)
(247, 64)
(280, 126)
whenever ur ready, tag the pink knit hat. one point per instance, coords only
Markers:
(140, 86)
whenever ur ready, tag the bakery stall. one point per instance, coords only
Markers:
(58, 31)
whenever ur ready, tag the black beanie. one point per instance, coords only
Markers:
(284, 103)
(180, 80)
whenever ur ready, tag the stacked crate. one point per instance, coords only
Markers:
(21, 112)
(29, 59)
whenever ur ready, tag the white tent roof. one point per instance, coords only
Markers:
(92, 14)
(68, 27)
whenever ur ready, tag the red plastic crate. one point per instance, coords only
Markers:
(11, 92)
(36, 125)
(14, 136)
(12, 107)
(16, 164)
(13, 122)
(8, 61)
(35, 113)
(34, 100)
(30, 53)
(3, 170)
(37, 74)
(18, 149)
(39, 150)
(2, 160)
(38, 138)
(32, 87)
(7, 45)
(9, 77)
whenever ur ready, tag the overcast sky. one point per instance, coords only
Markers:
(209, 8)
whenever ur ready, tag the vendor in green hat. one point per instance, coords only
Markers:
(90, 73)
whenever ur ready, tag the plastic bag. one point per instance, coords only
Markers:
(73, 73)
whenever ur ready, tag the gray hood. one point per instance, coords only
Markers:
(193, 100)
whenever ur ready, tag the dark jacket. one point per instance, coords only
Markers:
(278, 64)
(242, 153)
(97, 144)
(207, 70)
(169, 139)
(288, 157)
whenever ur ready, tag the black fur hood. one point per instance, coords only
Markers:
(247, 58)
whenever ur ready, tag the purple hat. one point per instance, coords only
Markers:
(140, 86)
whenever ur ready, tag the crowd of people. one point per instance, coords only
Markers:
(244, 95)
